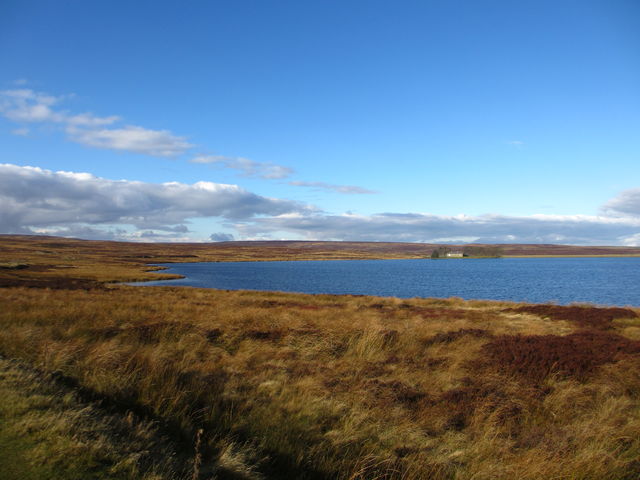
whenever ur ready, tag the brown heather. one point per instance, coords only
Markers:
(587, 317)
(275, 385)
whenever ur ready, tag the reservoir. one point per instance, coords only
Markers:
(601, 281)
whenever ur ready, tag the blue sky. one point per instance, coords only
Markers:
(423, 121)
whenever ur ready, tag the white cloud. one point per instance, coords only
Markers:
(28, 106)
(631, 240)
(626, 203)
(34, 198)
(516, 143)
(158, 143)
(346, 189)
(249, 168)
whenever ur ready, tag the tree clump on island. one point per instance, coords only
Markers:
(440, 252)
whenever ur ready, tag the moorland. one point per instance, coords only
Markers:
(100, 380)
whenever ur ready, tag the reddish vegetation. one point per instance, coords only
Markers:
(392, 391)
(54, 283)
(585, 317)
(448, 337)
(484, 398)
(460, 403)
(534, 357)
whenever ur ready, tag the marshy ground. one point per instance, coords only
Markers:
(201, 383)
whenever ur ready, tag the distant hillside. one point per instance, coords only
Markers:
(11, 247)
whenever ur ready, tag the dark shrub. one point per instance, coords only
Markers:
(534, 357)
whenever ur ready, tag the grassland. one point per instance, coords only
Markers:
(50, 430)
(205, 384)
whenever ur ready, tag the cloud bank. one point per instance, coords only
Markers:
(33, 199)
(413, 227)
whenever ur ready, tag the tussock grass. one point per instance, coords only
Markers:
(48, 432)
(324, 386)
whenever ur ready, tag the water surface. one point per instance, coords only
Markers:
(606, 281)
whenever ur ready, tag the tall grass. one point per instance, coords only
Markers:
(301, 386)
(47, 431)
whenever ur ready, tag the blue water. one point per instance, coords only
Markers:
(604, 281)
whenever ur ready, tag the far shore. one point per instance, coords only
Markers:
(45, 261)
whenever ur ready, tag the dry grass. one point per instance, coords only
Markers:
(48, 432)
(346, 387)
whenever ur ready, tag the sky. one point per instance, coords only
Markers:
(420, 121)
